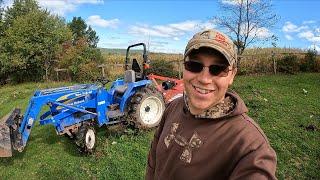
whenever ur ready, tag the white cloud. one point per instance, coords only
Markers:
(287, 36)
(310, 36)
(314, 47)
(86, 1)
(234, 2)
(309, 22)
(62, 7)
(263, 33)
(173, 30)
(96, 20)
(290, 27)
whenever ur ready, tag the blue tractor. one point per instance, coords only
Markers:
(76, 110)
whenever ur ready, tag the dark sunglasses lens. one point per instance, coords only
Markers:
(217, 70)
(193, 66)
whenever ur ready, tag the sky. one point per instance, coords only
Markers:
(167, 25)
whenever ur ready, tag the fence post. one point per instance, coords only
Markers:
(180, 69)
(274, 62)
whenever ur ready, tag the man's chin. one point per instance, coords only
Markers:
(199, 108)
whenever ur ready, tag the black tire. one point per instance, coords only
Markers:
(86, 138)
(147, 106)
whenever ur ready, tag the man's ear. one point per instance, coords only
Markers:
(233, 74)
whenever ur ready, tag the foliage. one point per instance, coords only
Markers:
(34, 43)
(163, 68)
(81, 30)
(18, 9)
(30, 45)
(120, 155)
(81, 60)
(1, 17)
(288, 64)
(309, 62)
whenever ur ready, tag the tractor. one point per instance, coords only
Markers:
(76, 111)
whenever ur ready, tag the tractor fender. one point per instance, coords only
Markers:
(131, 90)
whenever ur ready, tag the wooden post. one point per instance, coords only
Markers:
(102, 68)
(180, 69)
(274, 62)
(57, 73)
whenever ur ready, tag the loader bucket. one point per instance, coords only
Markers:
(5, 140)
(8, 127)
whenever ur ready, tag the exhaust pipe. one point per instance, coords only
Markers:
(10, 138)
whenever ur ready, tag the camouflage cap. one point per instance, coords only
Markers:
(213, 39)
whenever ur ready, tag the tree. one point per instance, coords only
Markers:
(81, 30)
(81, 60)
(1, 17)
(246, 21)
(93, 39)
(30, 44)
(19, 8)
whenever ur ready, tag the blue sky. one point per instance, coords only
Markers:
(167, 25)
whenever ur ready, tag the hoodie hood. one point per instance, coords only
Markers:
(231, 106)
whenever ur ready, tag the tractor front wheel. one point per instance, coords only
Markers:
(86, 138)
(147, 107)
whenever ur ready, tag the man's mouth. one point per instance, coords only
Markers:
(202, 90)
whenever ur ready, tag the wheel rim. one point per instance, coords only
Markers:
(90, 139)
(151, 110)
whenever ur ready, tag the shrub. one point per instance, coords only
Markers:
(163, 68)
(308, 64)
(88, 72)
(317, 64)
(288, 64)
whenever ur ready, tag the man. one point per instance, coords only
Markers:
(206, 134)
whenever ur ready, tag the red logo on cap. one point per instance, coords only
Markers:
(222, 39)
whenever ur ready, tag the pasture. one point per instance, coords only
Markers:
(284, 106)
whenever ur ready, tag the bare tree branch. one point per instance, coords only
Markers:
(245, 20)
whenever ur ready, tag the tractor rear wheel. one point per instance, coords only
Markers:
(86, 138)
(147, 107)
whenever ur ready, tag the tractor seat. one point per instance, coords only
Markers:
(135, 66)
(137, 69)
(129, 77)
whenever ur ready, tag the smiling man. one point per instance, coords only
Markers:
(207, 134)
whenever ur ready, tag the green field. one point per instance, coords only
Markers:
(278, 103)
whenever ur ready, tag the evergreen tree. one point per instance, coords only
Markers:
(81, 30)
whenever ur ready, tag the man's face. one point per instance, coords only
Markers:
(203, 89)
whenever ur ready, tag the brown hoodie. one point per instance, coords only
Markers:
(231, 146)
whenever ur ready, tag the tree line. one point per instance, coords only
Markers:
(33, 42)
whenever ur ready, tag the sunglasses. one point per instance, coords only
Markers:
(215, 70)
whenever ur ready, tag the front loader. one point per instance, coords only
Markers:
(76, 110)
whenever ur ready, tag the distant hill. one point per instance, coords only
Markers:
(123, 51)
(248, 51)
(118, 51)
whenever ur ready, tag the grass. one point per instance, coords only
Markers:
(277, 102)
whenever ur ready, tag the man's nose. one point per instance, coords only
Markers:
(205, 76)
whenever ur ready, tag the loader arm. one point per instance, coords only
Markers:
(67, 106)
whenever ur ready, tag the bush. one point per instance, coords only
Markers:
(88, 72)
(317, 64)
(81, 60)
(163, 68)
(308, 64)
(288, 64)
